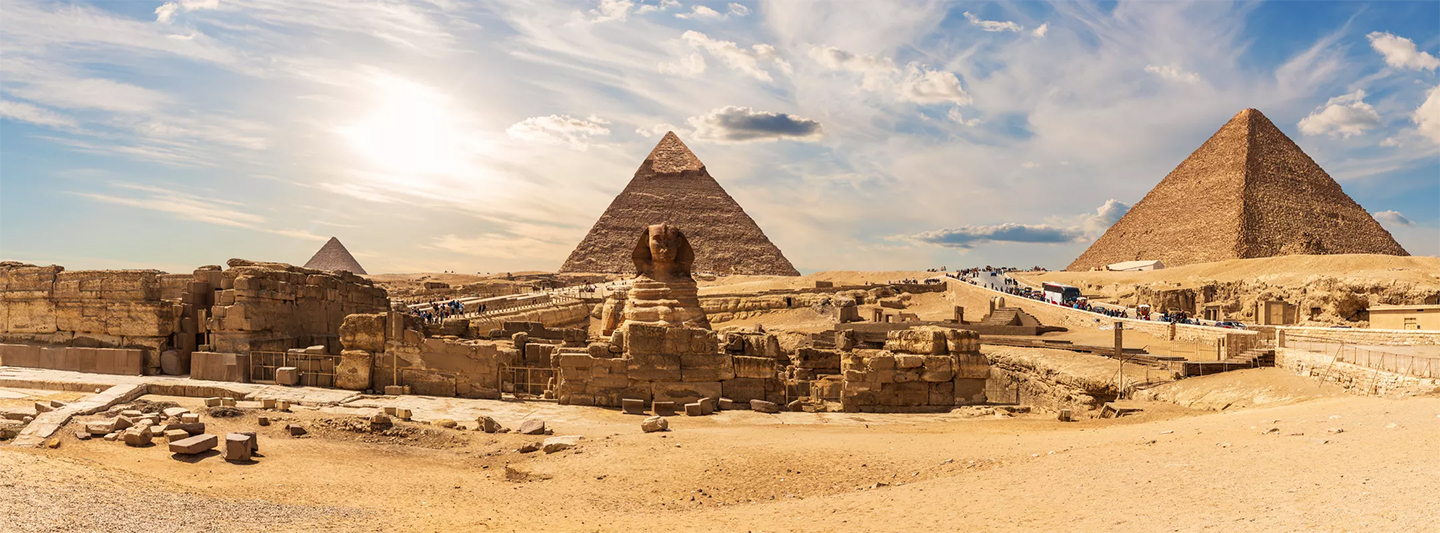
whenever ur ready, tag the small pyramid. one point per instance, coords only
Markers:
(1248, 192)
(673, 186)
(334, 256)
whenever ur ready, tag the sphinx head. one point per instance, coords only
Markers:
(663, 253)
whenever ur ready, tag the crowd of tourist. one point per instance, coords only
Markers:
(440, 310)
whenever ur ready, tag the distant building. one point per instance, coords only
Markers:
(1425, 317)
(1135, 266)
(1276, 313)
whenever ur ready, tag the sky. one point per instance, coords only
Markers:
(477, 136)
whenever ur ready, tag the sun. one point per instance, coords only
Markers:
(411, 129)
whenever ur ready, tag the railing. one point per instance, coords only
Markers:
(490, 313)
(1419, 366)
(527, 380)
(316, 370)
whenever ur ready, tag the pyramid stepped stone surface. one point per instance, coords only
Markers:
(672, 186)
(334, 256)
(1248, 192)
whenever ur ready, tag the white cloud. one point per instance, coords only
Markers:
(734, 123)
(1401, 53)
(656, 130)
(1089, 228)
(1042, 30)
(1392, 218)
(662, 6)
(991, 25)
(915, 83)
(1427, 116)
(690, 66)
(955, 116)
(1341, 116)
(700, 12)
(166, 12)
(1173, 73)
(739, 10)
(746, 61)
(24, 112)
(609, 10)
(559, 129)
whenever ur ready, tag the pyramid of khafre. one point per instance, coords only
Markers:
(672, 186)
(334, 256)
(1248, 192)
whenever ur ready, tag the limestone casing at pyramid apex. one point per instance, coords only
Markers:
(671, 156)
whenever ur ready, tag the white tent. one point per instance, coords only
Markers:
(1135, 266)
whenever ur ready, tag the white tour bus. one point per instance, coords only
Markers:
(1057, 293)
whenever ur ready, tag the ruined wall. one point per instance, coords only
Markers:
(925, 368)
(553, 314)
(1372, 337)
(1355, 379)
(383, 348)
(275, 307)
(86, 309)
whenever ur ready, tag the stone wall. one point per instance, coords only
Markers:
(1373, 337)
(925, 368)
(275, 307)
(1355, 379)
(47, 305)
(120, 361)
(382, 349)
(552, 314)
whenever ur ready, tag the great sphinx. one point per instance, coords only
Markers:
(663, 292)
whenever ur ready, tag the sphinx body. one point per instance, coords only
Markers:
(664, 293)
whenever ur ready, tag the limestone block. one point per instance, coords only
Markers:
(644, 339)
(137, 436)
(926, 340)
(139, 319)
(962, 341)
(905, 361)
(287, 375)
(238, 447)
(743, 389)
(353, 372)
(533, 426)
(172, 435)
(762, 406)
(194, 445)
(171, 364)
(684, 392)
(753, 367)
(969, 391)
(942, 393)
(560, 443)
(195, 428)
(655, 423)
(716, 367)
(813, 358)
(694, 409)
(663, 408)
(971, 366)
(937, 368)
(29, 316)
(653, 366)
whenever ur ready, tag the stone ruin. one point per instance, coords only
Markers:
(149, 322)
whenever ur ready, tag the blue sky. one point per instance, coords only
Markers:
(488, 136)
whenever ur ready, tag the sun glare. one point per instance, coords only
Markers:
(410, 130)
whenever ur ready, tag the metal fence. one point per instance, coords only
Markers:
(527, 380)
(316, 370)
(1419, 366)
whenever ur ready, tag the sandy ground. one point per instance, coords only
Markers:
(1168, 469)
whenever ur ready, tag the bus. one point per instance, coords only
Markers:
(1057, 293)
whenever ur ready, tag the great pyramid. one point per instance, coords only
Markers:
(673, 186)
(1248, 192)
(334, 256)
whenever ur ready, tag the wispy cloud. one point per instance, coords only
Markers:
(1392, 218)
(1401, 53)
(187, 206)
(734, 123)
(560, 129)
(992, 25)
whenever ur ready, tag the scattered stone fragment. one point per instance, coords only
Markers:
(100, 427)
(172, 435)
(1335, 430)
(395, 390)
(194, 445)
(762, 406)
(295, 430)
(174, 412)
(132, 413)
(1066, 416)
(663, 408)
(561, 443)
(123, 423)
(262, 420)
(1270, 431)
(212, 402)
(82, 435)
(446, 423)
(631, 406)
(189, 418)
(487, 424)
(655, 423)
(381, 422)
(267, 403)
(707, 406)
(287, 375)
(57, 404)
(726, 404)
(112, 436)
(238, 447)
(43, 407)
(193, 429)
(528, 448)
(138, 436)
(694, 409)
(795, 405)
(227, 402)
(533, 426)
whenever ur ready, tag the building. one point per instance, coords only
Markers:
(1425, 317)
(1135, 266)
